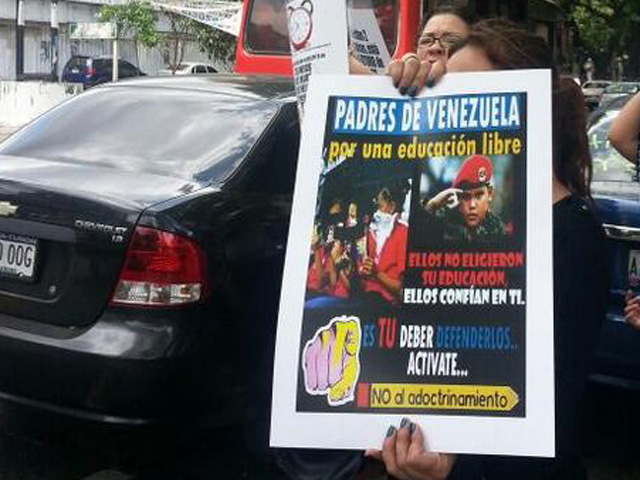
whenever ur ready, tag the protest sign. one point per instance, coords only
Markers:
(318, 38)
(418, 276)
(367, 41)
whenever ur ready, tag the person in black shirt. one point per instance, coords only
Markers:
(580, 278)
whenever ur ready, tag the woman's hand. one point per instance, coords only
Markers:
(410, 74)
(632, 309)
(405, 457)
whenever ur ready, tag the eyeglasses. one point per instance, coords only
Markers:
(447, 40)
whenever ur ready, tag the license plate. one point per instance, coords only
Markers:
(634, 268)
(17, 256)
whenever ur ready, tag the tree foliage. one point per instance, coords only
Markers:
(136, 19)
(606, 28)
(213, 42)
(173, 42)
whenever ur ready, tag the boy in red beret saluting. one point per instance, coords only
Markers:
(472, 192)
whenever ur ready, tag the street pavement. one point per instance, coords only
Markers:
(36, 448)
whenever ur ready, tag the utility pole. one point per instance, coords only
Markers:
(55, 26)
(115, 60)
(19, 39)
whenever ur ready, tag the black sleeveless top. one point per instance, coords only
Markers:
(580, 276)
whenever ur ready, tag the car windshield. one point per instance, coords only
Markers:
(595, 84)
(193, 135)
(77, 62)
(608, 164)
(621, 88)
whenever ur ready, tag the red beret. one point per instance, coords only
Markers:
(476, 171)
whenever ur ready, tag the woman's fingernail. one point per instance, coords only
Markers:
(391, 431)
(412, 428)
(430, 82)
(412, 91)
(403, 90)
(405, 422)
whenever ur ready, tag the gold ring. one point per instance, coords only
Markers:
(410, 55)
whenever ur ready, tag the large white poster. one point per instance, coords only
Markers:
(418, 275)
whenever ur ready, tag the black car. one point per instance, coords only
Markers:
(92, 71)
(141, 249)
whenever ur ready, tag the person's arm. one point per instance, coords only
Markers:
(624, 131)
(332, 272)
(318, 267)
(357, 68)
(393, 285)
(345, 280)
(632, 309)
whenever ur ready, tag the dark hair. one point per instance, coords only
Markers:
(508, 46)
(572, 163)
(463, 13)
(395, 192)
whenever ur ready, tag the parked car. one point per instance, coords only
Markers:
(92, 71)
(617, 196)
(592, 91)
(619, 89)
(190, 68)
(143, 265)
(612, 107)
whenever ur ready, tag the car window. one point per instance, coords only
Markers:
(211, 70)
(595, 84)
(200, 69)
(621, 88)
(386, 12)
(267, 31)
(278, 152)
(608, 164)
(76, 63)
(195, 135)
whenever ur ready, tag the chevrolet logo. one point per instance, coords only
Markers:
(7, 209)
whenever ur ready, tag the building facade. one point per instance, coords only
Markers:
(38, 57)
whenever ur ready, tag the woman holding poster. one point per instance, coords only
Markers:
(580, 273)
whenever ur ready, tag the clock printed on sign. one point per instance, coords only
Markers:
(300, 24)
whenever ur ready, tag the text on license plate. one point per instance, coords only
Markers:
(17, 255)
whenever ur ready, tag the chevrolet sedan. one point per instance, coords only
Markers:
(142, 233)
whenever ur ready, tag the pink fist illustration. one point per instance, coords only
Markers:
(331, 360)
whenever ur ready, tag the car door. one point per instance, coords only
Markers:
(616, 192)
